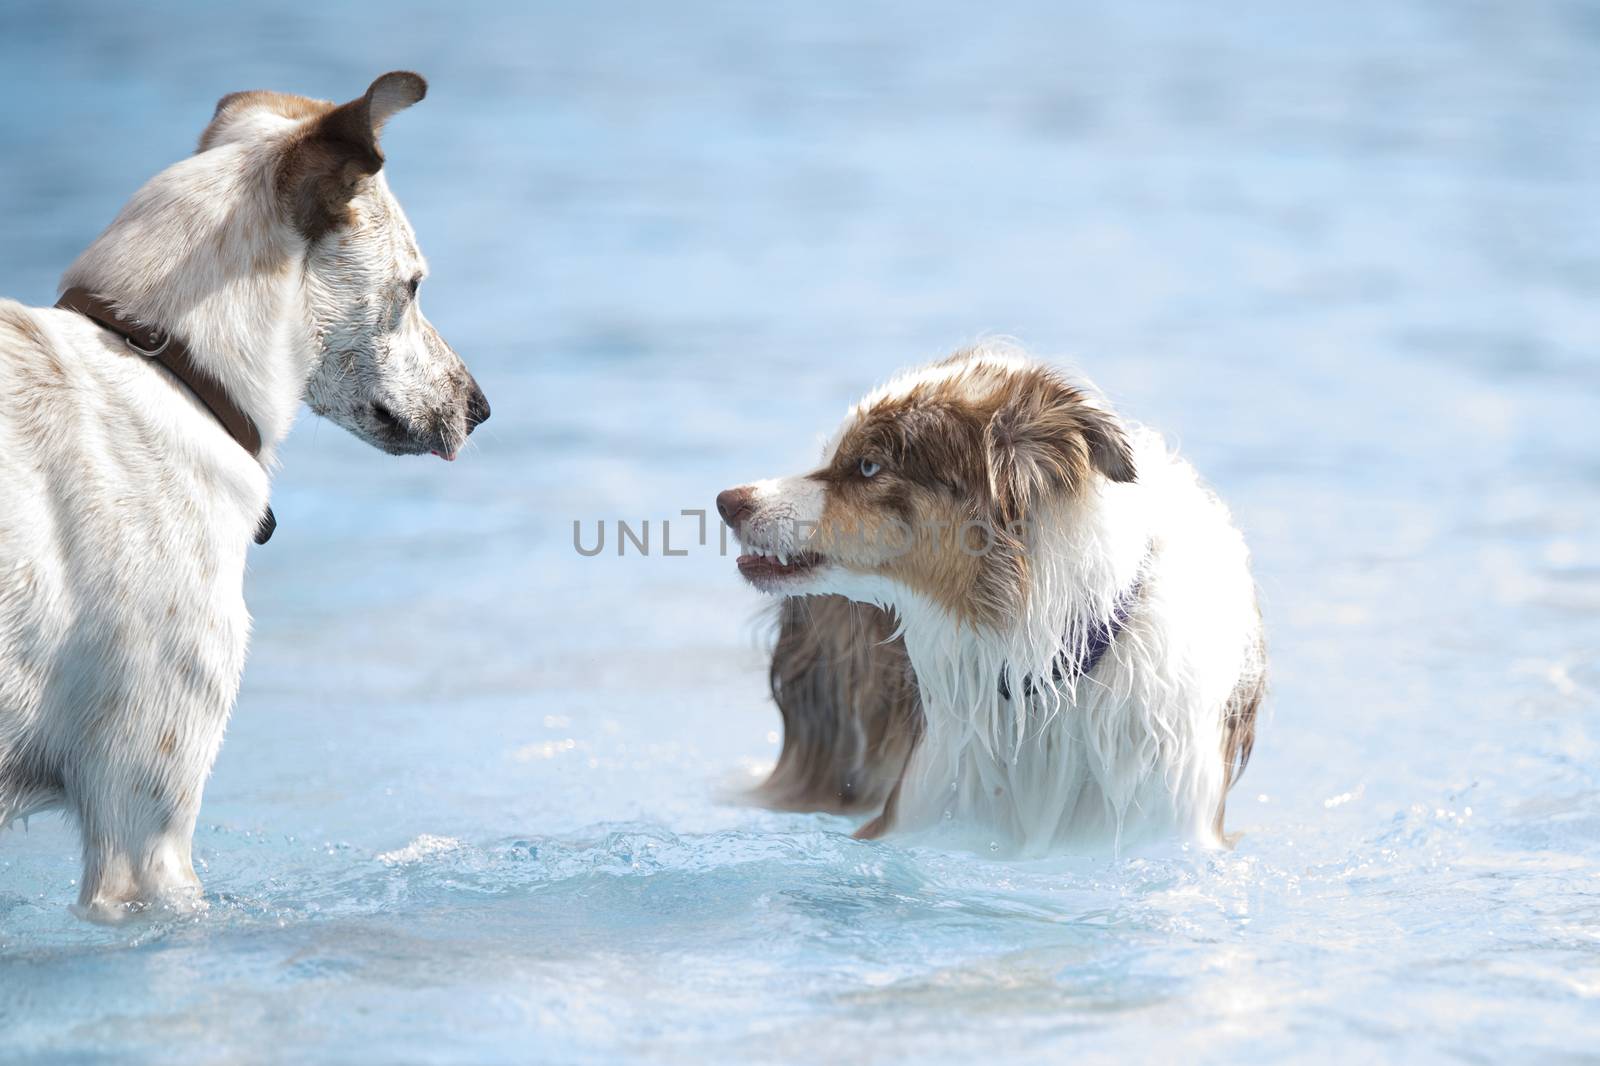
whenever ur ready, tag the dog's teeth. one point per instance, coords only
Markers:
(783, 558)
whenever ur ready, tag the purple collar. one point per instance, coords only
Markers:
(1101, 633)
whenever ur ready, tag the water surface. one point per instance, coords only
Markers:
(468, 808)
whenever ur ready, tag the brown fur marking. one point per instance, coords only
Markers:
(1009, 439)
(334, 151)
(967, 459)
(850, 706)
(1239, 729)
(288, 105)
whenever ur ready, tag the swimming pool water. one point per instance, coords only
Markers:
(472, 805)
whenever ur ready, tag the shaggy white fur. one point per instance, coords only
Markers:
(1131, 752)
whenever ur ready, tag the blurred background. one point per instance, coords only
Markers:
(1346, 256)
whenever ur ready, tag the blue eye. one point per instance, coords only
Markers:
(869, 468)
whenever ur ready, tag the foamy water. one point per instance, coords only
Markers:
(470, 804)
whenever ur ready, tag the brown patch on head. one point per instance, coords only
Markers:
(964, 457)
(325, 166)
(168, 744)
(286, 105)
(334, 150)
(1046, 438)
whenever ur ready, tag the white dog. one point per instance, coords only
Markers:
(139, 421)
(1073, 657)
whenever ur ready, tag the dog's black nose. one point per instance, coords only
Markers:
(477, 408)
(735, 505)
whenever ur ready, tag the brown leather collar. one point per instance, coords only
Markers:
(172, 353)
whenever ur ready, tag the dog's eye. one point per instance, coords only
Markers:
(869, 468)
(415, 284)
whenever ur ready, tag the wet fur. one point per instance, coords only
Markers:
(1144, 748)
(844, 686)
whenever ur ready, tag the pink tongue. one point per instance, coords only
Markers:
(446, 458)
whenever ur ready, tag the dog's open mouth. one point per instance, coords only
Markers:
(763, 568)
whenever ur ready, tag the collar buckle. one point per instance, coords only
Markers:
(148, 353)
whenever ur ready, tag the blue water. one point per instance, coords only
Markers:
(469, 808)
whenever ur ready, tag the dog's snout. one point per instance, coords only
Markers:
(477, 407)
(735, 505)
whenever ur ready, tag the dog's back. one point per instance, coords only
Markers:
(39, 384)
(112, 611)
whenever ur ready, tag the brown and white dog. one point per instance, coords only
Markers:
(277, 262)
(1009, 617)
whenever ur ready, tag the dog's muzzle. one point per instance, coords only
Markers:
(477, 406)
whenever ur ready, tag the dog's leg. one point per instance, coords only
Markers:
(850, 705)
(1239, 731)
(136, 803)
(137, 856)
(884, 822)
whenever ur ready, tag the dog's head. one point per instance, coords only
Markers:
(931, 487)
(380, 369)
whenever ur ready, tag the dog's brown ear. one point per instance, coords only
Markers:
(1045, 442)
(1046, 439)
(1109, 451)
(325, 166)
